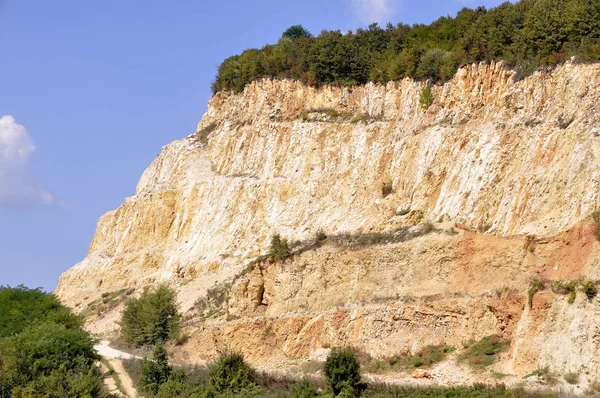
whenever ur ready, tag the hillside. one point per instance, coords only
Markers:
(506, 172)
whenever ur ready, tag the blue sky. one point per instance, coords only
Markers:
(91, 90)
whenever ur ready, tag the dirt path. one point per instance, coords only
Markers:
(109, 382)
(114, 358)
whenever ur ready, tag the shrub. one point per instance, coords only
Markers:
(426, 97)
(229, 373)
(321, 236)
(430, 355)
(155, 372)
(590, 290)
(535, 286)
(342, 370)
(43, 349)
(151, 319)
(571, 378)
(21, 307)
(483, 353)
(279, 249)
(304, 389)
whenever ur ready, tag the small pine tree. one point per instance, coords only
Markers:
(342, 371)
(229, 373)
(151, 319)
(280, 249)
(155, 372)
(426, 97)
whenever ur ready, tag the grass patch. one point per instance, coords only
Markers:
(360, 240)
(425, 358)
(476, 391)
(201, 136)
(331, 113)
(107, 302)
(484, 352)
(571, 378)
(214, 303)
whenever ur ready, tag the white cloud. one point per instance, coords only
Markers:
(381, 11)
(18, 187)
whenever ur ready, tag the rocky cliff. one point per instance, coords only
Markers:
(508, 173)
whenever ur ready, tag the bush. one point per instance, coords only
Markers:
(47, 352)
(483, 353)
(342, 370)
(304, 389)
(590, 290)
(572, 378)
(229, 373)
(155, 372)
(426, 97)
(534, 287)
(430, 355)
(279, 249)
(151, 319)
(21, 307)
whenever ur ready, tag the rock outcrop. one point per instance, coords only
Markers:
(513, 166)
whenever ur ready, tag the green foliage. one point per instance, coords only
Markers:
(305, 389)
(279, 249)
(155, 372)
(342, 371)
(21, 307)
(430, 355)
(590, 290)
(296, 32)
(152, 318)
(426, 357)
(483, 353)
(43, 349)
(476, 391)
(535, 286)
(426, 97)
(527, 35)
(229, 373)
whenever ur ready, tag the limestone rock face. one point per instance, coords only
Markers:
(502, 157)
(508, 172)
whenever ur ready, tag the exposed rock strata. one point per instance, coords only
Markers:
(515, 166)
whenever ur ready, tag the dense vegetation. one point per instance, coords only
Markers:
(229, 376)
(152, 318)
(526, 35)
(44, 352)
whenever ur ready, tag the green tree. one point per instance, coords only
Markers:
(342, 371)
(151, 319)
(230, 373)
(155, 372)
(296, 32)
(279, 249)
(21, 307)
